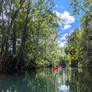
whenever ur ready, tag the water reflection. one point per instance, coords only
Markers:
(64, 88)
(66, 80)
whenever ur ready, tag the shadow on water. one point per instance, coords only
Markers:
(66, 80)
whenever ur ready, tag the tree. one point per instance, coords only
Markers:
(28, 35)
(83, 7)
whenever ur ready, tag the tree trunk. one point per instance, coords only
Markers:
(1, 3)
(14, 39)
(20, 59)
(11, 24)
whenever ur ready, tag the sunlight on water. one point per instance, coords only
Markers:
(65, 80)
(64, 88)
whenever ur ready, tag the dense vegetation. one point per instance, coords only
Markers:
(28, 34)
(79, 46)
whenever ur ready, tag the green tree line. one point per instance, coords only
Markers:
(28, 35)
(79, 46)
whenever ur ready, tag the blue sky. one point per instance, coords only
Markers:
(62, 8)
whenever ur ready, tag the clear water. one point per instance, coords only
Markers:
(65, 80)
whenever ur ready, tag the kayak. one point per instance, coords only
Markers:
(58, 68)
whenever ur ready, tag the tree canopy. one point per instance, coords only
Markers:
(28, 34)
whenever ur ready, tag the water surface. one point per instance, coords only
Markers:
(65, 80)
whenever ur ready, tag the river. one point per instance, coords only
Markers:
(65, 80)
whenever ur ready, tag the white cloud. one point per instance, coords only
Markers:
(67, 26)
(64, 37)
(58, 14)
(61, 44)
(65, 18)
(63, 40)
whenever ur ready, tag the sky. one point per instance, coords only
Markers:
(64, 12)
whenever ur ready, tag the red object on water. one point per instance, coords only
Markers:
(57, 68)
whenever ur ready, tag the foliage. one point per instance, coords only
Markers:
(80, 41)
(28, 35)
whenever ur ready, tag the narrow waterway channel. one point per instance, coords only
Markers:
(65, 80)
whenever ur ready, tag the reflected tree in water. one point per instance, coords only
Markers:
(66, 80)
